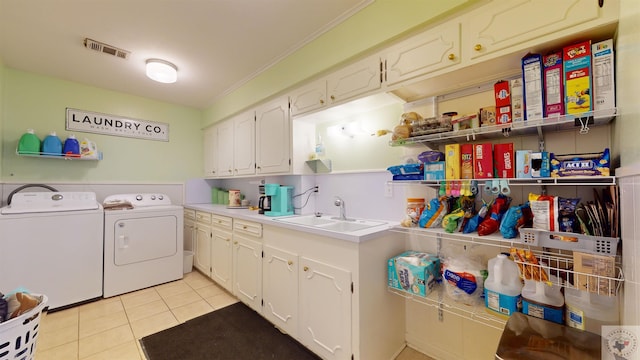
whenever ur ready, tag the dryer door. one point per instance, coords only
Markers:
(143, 239)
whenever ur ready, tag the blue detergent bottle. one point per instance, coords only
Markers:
(29, 143)
(51, 145)
(71, 147)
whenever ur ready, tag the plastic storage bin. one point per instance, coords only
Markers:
(18, 336)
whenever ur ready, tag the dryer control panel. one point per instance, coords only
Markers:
(138, 200)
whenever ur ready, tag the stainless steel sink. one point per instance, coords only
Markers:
(330, 223)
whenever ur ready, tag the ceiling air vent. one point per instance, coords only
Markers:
(105, 48)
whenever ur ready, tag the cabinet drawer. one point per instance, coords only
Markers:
(221, 221)
(247, 227)
(203, 217)
(189, 214)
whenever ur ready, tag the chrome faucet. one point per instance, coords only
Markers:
(339, 202)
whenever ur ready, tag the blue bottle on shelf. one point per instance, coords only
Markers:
(51, 145)
(71, 147)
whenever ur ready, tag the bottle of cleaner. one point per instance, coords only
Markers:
(503, 287)
(88, 149)
(51, 145)
(543, 301)
(29, 143)
(590, 311)
(71, 147)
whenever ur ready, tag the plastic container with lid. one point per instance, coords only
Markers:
(71, 147)
(543, 301)
(503, 287)
(415, 206)
(52, 145)
(590, 311)
(29, 143)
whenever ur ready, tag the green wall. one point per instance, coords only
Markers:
(38, 102)
(366, 31)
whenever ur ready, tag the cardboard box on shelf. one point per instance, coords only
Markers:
(603, 266)
(413, 272)
(533, 88)
(604, 89)
(466, 161)
(502, 95)
(503, 160)
(517, 100)
(523, 163)
(553, 84)
(452, 160)
(540, 165)
(577, 77)
(483, 161)
(488, 116)
(434, 170)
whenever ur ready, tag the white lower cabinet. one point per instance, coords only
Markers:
(221, 255)
(325, 309)
(247, 263)
(280, 289)
(202, 256)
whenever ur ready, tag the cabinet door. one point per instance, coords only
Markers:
(280, 289)
(505, 24)
(310, 97)
(325, 309)
(244, 144)
(221, 258)
(247, 271)
(225, 148)
(202, 257)
(433, 50)
(354, 80)
(273, 137)
(210, 151)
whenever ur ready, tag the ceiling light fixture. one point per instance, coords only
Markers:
(162, 71)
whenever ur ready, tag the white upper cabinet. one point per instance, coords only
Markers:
(505, 24)
(435, 49)
(244, 144)
(309, 97)
(273, 137)
(225, 148)
(354, 80)
(210, 151)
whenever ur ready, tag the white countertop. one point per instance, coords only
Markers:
(252, 215)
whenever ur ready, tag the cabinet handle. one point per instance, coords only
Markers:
(235, 243)
(451, 56)
(289, 262)
(333, 97)
(244, 227)
(478, 47)
(321, 101)
(306, 268)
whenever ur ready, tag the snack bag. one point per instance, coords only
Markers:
(472, 224)
(490, 224)
(515, 218)
(450, 221)
(567, 219)
(545, 212)
(433, 213)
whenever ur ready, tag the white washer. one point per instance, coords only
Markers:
(143, 242)
(51, 243)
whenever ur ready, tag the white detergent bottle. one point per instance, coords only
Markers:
(590, 311)
(503, 287)
(543, 300)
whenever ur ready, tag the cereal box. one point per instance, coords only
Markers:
(503, 102)
(466, 164)
(413, 272)
(533, 87)
(523, 163)
(452, 160)
(604, 89)
(517, 100)
(482, 161)
(577, 77)
(553, 85)
(503, 160)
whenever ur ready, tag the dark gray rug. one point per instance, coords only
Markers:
(235, 332)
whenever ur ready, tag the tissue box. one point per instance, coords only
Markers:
(523, 163)
(413, 272)
(434, 170)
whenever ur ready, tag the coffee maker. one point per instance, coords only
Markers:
(264, 201)
(280, 199)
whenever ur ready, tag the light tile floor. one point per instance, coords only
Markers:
(111, 328)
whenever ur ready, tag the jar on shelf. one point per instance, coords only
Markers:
(415, 206)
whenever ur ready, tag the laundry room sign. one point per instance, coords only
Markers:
(98, 123)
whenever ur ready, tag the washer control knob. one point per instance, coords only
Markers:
(139, 197)
(153, 197)
(160, 197)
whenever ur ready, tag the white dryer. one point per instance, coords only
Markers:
(143, 242)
